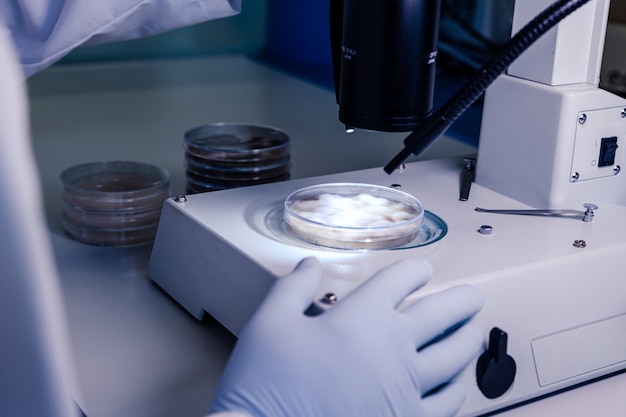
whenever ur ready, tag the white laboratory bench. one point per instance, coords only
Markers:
(137, 352)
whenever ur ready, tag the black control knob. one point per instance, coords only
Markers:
(495, 370)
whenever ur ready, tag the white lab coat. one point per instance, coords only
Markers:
(37, 374)
(46, 30)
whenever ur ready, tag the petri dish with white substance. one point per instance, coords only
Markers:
(353, 216)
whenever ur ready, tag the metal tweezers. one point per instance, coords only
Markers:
(585, 216)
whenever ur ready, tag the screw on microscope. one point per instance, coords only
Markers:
(329, 298)
(485, 229)
(575, 177)
(580, 244)
(180, 198)
(623, 113)
(582, 119)
(396, 186)
(616, 169)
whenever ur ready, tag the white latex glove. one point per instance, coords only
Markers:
(360, 358)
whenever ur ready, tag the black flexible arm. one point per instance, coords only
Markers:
(439, 122)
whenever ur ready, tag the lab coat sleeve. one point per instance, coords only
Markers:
(36, 375)
(46, 30)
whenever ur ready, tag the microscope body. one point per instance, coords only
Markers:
(550, 137)
(555, 311)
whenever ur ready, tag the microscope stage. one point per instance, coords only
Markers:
(554, 285)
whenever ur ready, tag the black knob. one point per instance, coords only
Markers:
(495, 370)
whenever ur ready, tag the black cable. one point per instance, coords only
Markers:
(439, 122)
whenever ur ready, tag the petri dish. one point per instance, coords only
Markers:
(198, 184)
(112, 219)
(115, 185)
(238, 173)
(98, 236)
(228, 155)
(116, 203)
(236, 143)
(201, 163)
(353, 216)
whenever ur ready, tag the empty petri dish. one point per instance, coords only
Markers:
(115, 203)
(353, 216)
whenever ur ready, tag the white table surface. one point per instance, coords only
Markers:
(137, 352)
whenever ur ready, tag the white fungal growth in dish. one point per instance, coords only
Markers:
(353, 216)
(360, 211)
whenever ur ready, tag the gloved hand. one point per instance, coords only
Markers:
(359, 358)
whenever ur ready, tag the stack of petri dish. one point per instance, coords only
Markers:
(229, 155)
(115, 203)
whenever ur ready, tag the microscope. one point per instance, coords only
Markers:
(542, 231)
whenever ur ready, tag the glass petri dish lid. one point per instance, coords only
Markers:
(353, 216)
